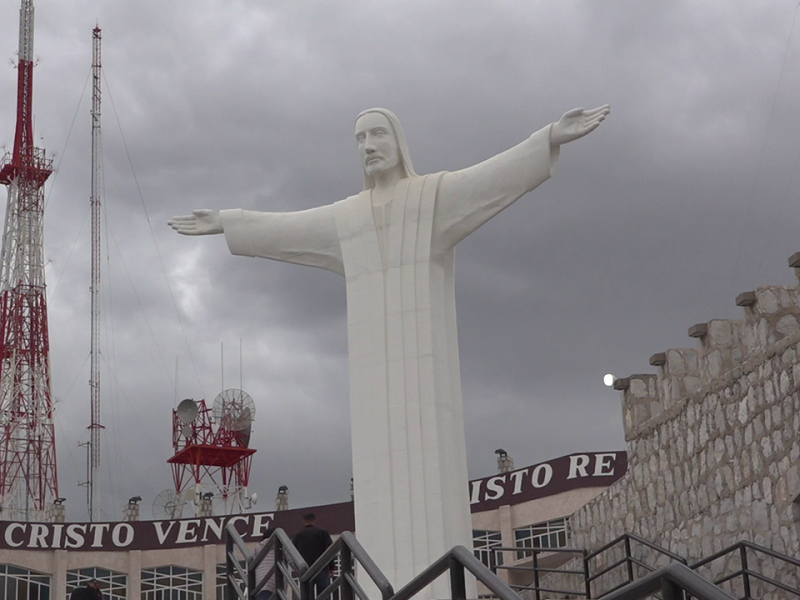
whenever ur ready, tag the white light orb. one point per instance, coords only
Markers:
(609, 379)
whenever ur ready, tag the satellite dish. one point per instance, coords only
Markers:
(168, 505)
(187, 411)
(234, 409)
(242, 436)
(244, 420)
(254, 497)
(187, 430)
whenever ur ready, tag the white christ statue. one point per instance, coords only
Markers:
(394, 243)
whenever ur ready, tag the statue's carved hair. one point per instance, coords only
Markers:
(402, 145)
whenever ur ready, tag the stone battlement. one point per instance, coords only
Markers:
(726, 349)
(713, 442)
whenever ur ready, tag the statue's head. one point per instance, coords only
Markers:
(381, 145)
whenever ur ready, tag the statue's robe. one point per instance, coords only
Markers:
(409, 454)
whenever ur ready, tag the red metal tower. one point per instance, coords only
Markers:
(28, 480)
(211, 448)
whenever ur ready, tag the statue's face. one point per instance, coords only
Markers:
(377, 144)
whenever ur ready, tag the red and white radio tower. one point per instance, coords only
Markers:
(28, 480)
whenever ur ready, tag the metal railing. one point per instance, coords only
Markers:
(745, 572)
(673, 582)
(458, 561)
(349, 552)
(242, 584)
(629, 561)
(538, 571)
(241, 581)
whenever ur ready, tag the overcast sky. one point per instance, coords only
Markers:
(683, 198)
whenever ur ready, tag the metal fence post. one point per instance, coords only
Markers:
(745, 571)
(458, 584)
(229, 592)
(586, 576)
(628, 560)
(306, 588)
(537, 593)
(251, 579)
(280, 558)
(346, 567)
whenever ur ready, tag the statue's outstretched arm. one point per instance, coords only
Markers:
(200, 222)
(306, 237)
(577, 123)
(470, 197)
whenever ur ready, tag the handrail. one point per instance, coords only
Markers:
(237, 539)
(349, 547)
(638, 540)
(628, 560)
(622, 561)
(751, 546)
(233, 540)
(771, 581)
(671, 581)
(293, 554)
(541, 550)
(536, 585)
(455, 561)
(281, 544)
(745, 572)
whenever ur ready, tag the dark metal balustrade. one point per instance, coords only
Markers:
(744, 550)
(673, 582)
(629, 562)
(538, 572)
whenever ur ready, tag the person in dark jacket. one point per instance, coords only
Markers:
(311, 542)
(91, 591)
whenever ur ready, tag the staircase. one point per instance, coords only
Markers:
(591, 572)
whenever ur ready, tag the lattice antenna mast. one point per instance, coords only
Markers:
(94, 200)
(28, 479)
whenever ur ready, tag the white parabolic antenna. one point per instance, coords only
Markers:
(187, 411)
(168, 505)
(242, 436)
(234, 409)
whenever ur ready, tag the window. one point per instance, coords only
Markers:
(172, 583)
(21, 584)
(552, 534)
(222, 581)
(483, 543)
(113, 585)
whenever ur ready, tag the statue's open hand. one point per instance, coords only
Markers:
(200, 222)
(577, 123)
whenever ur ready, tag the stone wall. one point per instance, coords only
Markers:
(713, 447)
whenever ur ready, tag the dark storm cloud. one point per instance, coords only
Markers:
(653, 223)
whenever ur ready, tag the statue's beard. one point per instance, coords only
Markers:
(378, 166)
